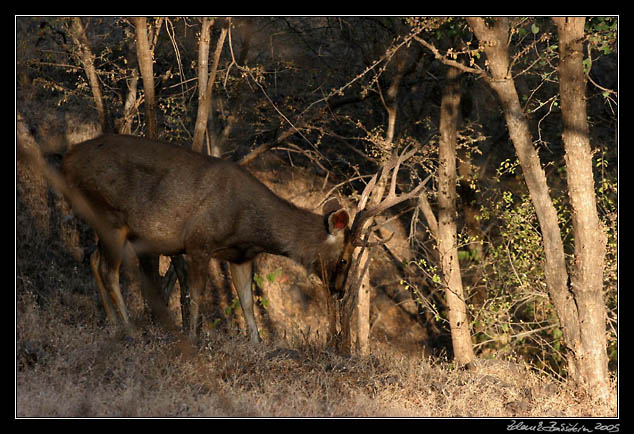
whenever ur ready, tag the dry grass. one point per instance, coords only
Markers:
(70, 366)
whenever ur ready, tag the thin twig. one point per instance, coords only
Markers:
(447, 61)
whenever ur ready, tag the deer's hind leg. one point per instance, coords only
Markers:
(95, 260)
(197, 269)
(152, 288)
(242, 277)
(105, 263)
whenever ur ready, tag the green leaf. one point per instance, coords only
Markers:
(587, 63)
(264, 302)
(274, 275)
(259, 280)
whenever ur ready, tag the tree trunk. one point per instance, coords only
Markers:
(361, 308)
(130, 105)
(576, 305)
(144, 55)
(87, 58)
(206, 80)
(203, 75)
(495, 45)
(354, 309)
(447, 235)
(588, 360)
(494, 41)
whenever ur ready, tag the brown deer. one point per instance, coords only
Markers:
(159, 198)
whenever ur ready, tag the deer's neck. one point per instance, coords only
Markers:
(304, 236)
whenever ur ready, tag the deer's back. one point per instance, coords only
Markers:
(163, 193)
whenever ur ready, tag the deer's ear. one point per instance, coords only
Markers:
(331, 205)
(338, 221)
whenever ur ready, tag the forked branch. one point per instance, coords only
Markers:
(391, 199)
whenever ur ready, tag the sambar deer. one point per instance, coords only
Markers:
(164, 199)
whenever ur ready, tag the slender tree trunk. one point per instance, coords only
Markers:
(205, 79)
(123, 125)
(361, 308)
(87, 58)
(447, 235)
(203, 76)
(144, 55)
(589, 360)
(130, 104)
(355, 313)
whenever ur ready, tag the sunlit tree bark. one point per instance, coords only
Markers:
(588, 362)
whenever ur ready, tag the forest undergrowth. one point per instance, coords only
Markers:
(71, 363)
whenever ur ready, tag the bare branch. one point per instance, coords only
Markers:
(391, 199)
(447, 61)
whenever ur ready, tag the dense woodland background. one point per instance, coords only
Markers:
(313, 106)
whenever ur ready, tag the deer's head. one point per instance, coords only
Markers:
(336, 263)
(335, 256)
